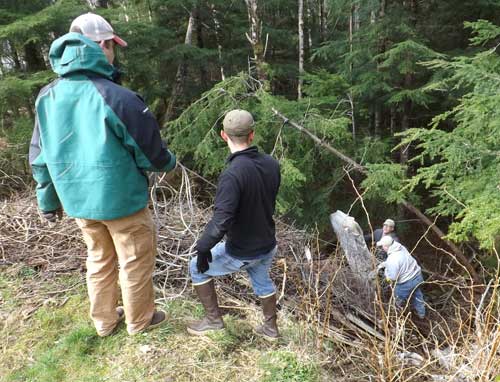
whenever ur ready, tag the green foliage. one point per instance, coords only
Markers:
(194, 136)
(385, 181)
(36, 27)
(284, 366)
(465, 161)
(372, 69)
(292, 179)
(484, 31)
(324, 89)
(18, 91)
(20, 134)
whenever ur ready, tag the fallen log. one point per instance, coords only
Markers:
(410, 207)
(361, 262)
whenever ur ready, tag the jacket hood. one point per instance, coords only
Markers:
(74, 52)
(395, 247)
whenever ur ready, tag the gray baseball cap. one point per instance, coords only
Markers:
(238, 123)
(96, 28)
(390, 223)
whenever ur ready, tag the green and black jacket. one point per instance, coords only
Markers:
(93, 139)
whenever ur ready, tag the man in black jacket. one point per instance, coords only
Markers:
(388, 229)
(244, 208)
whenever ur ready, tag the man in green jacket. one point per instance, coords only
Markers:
(92, 143)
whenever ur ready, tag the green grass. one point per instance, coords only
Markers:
(58, 342)
(75, 356)
(284, 366)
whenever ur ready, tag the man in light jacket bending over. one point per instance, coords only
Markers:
(402, 269)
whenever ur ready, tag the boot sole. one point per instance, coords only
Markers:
(153, 326)
(202, 332)
(266, 337)
(121, 317)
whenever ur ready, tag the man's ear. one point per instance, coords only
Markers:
(223, 135)
(250, 137)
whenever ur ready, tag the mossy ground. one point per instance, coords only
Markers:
(46, 336)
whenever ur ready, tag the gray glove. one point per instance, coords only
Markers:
(373, 274)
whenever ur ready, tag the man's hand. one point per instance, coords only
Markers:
(202, 260)
(53, 216)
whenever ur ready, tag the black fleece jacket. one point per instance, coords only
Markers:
(244, 206)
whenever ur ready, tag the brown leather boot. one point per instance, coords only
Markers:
(268, 330)
(213, 319)
(422, 324)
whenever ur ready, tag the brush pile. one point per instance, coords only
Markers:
(460, 342)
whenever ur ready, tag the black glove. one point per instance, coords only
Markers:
(52, 216)
(202, 260)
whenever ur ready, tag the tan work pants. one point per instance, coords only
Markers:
(129, 242)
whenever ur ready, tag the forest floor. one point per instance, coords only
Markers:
(47, 336)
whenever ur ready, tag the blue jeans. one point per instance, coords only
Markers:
(411, 290)
(223, 264)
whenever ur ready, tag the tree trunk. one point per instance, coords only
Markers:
(98, 3)
(125, 11)
(15, 56)
(352, 115)
(255, 39)
(301, 48)
(393, 120)
(356, 16)
(350, 42)
(405, 125)
(201, 45)
(382, 8)
(310, 23)
(378, 120)
(180, 76)
(33, 58)
(324, 18)
(361, 261)
(408, 84)
(150, 11)
(217, 40)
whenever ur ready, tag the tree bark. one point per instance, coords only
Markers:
(410, 207)
(378, 120)
(324, 18)
(310, 23)
(361, 261)
(33, 58)
(356, 16)
(301, 48)
(255, 39)
(407, 84)
(383, 4)
(217, 40)
(98, 3)
(201, 44)
(392, 126)
(15, 56)
(180, 76)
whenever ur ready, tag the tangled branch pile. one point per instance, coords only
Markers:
(462, 342)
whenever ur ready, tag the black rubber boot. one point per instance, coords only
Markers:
(213, 319)
(269, 330)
